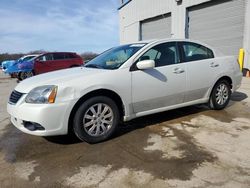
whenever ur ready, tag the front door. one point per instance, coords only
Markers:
(162, 86)
(43, 64)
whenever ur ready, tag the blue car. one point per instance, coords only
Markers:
(7, 63)
(11, 66)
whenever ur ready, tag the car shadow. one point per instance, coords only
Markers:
(135, 124)
(63, 139)
(238, 96)
(145, 121)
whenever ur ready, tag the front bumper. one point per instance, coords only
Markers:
(53, 117)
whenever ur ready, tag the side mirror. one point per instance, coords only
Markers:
(145, 64)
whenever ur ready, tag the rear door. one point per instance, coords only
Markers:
(73, 60)
(202, 69)
(60, 61)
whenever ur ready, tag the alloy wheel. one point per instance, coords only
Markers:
(98, 119)
(222, 94)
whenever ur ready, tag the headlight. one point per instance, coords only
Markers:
(42, 95)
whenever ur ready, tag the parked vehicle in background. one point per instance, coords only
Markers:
(121, 84)
(10, 66)
(4, 64)
(45, 63)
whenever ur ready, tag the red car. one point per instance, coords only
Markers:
(49, 62)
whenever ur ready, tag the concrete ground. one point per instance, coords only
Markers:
(188, 147)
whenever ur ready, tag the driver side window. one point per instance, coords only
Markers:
(42, 58)
(163, 54)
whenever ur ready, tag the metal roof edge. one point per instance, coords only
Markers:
(124, 4)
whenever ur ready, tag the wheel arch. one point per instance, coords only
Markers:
(227, 78)
(74, 65)
(98, 92)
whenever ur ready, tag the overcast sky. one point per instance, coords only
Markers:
(58, 25)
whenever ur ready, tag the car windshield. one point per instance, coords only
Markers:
(27, 58)
(31, 59)
(114, 57)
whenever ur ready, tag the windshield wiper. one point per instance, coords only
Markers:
(93, 66)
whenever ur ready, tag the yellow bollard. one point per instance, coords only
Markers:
(241, 58)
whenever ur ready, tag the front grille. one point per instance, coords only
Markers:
(14, 97)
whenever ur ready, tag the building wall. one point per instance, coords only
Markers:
(138, 10)
(246, 43)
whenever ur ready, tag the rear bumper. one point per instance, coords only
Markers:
(237, 81)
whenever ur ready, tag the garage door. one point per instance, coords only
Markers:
(219, 24)
(156, 28)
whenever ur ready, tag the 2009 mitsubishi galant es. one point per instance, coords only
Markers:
(123, 83)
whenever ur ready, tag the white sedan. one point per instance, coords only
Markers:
(121, 84)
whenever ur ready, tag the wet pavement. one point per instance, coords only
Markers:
(188, 147)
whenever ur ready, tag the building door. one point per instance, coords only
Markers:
(156, 28)
(219, 24)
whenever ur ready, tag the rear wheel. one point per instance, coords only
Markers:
(73, 66)
(24, 75)
(96, 119)
(13, 75)
(220, 95)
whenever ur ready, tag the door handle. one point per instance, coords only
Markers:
(214, 64)
(178, 71)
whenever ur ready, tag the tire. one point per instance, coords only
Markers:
(220, 95)
(93, 125)
(74, 66)
(12, 75)
(24, 75)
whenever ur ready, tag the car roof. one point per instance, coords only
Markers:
(59, 53)
(168, 40)
(155, 41)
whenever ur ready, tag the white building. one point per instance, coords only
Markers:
(223, 24)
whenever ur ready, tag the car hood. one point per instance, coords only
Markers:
(8, 62)
(61, 77)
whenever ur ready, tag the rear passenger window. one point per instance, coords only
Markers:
(195, 52)
(162, 54)
(69, 56)
(58, 56)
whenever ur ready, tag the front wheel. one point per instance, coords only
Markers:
(96, 119)
(220, 95)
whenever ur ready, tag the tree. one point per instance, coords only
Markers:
(88, 55)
